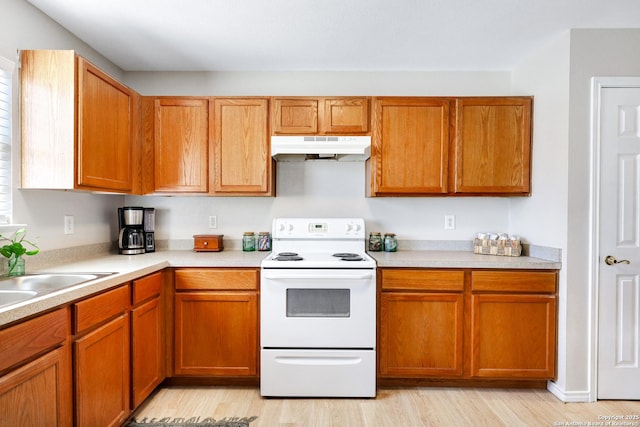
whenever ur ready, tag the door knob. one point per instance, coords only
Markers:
(611, 260)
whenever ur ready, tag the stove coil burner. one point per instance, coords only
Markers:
(346, 256)
(288, 256)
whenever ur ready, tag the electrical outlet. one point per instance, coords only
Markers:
(449, 222)
(213, 221)
(68, 224)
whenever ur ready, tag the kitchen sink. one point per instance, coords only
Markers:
(11, 297)
(21, 288)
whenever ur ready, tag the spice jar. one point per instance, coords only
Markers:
(375, 242)
(249, 241)
(390, 242)
(264, 241)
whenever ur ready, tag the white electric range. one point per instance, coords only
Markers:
(318, 310)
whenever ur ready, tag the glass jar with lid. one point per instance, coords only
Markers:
(249, 241)
(390, 242)
(264, 241)
(375, 242)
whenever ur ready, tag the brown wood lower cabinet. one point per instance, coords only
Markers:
(463, 324)
(35, 367)
(39, 393)
(216, 322)
(513, 324)
(102, 359)
(147, 337)
(421, 327)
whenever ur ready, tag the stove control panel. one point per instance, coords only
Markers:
(319, 228)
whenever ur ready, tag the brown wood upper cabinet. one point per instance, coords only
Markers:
(410, 146)
(208, 146)
(180, 145)
(320, 115)
(492, 147)
(67, 100)
(241, 163)
(451, 146)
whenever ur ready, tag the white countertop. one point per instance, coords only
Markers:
(129, 267)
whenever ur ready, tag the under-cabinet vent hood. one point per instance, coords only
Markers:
(343, 148)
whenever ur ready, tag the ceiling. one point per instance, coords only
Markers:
(293, 35)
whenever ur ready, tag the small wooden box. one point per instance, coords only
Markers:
(207, 243)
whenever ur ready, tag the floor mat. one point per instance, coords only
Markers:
(190, 422)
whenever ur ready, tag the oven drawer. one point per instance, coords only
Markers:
(318, 373)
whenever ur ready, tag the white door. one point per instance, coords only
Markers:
(619, 239)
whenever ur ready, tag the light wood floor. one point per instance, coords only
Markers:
(392, 407)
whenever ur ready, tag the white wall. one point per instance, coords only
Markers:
(320, 188)
(543, 216)
(557, 214)
(593, 53)
(320, 83)
(24, 27)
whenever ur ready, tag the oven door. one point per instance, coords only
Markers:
(318, 308)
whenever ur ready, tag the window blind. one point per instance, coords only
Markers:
(6, 74)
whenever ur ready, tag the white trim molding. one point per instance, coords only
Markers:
(597, 85)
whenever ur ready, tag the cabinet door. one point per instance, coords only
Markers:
(147, 353)
(410, 146)
(39, 393)
(102, 375)
(345, 115)
(215, 333)
(105, 126)
(294, 116)
(492, 151)
(513, 336)
(181, 145)
(241, 161)
(421, 334)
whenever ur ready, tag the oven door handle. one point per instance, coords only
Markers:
(365, 276)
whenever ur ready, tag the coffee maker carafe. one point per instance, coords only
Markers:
(131, 236)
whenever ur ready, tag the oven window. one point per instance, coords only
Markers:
(318, 302)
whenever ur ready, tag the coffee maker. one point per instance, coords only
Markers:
(131, 236)
(149, 229)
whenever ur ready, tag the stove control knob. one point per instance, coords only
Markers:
(352, 227)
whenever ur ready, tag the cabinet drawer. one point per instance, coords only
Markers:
(423, 280)
(146, 287)
(34, 336)
(216, 279)
(514, 281)
(95, 310)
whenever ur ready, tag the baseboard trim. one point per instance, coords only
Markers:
(568, 396)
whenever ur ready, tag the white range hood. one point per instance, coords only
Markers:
(342, 148)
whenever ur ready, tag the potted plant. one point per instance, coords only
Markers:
(15, 249)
